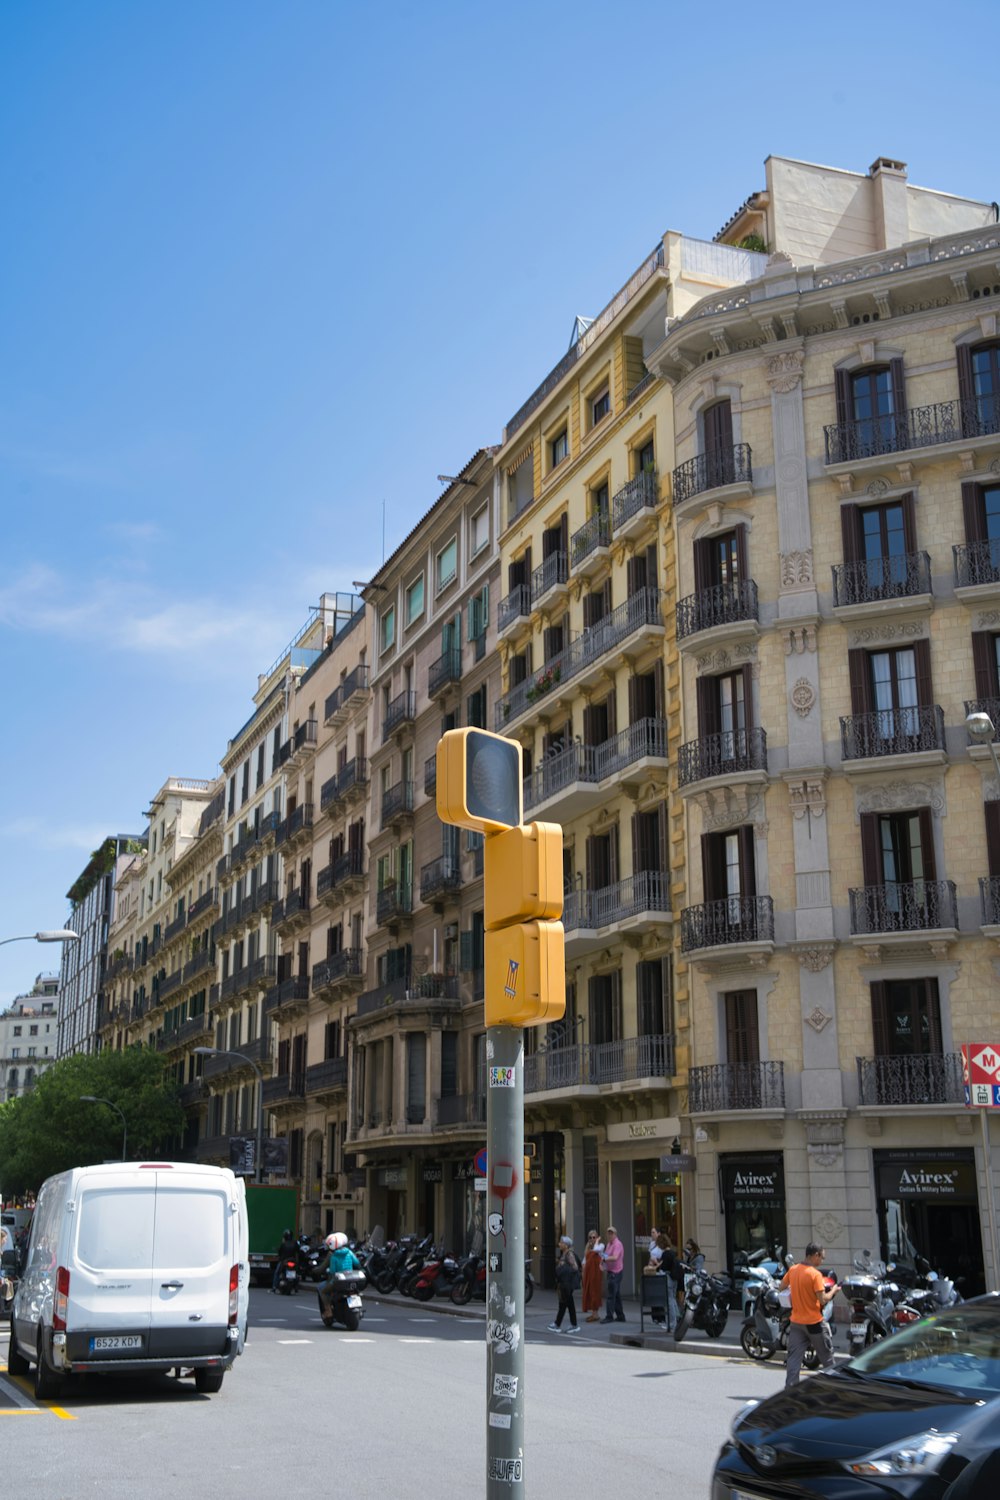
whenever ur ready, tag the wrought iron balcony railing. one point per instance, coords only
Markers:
(747, 1085)
(734, 919)
(923, 1078)
(348, 867)
(549, 574)
(175, 928)
(989, 896)
(201, 963)
(881, 578)
(397, 802)
(305, 737)
(294, 906)
(205, 902)
(283, 1088)
(440, 875)
(408, 989)
(593, 536)
(293, 991)
(347, 964)
(323, 1077)
(977, 563)
(460, 1109)
(639, 494)
(430, 775)
(263, 970)
(711, 471)
(892, 731)
(355, 682)
(171, 982)
(393, 902)
(624, 1061)
(447, 669)
(919, 427)
(402, 710)
(903, 906)
(722, 604)
(733, 752)
(353, 775)
(515, 606)
(647, 891)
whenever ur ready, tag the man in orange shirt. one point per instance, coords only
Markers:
(808, 1326)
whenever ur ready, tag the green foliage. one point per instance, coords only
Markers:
(51, 1128)
(753, 242)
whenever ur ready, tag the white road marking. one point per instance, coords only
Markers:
(295, 1341)
(405, 1340)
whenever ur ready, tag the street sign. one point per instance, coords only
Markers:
(480, 1163)
(981, 1075)
(982, 1096)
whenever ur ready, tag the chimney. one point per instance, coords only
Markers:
(891, 211)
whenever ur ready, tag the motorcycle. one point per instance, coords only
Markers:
(310, 1259)
(873, 1298)
(412, 1266)
(288, 1275)
(706, 1305)
(436, 1278)
(923, 1292)
(345, 1305)
(765, 1329)
(470, 1281)
(750, 1272)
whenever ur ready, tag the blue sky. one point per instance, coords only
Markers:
(266, 266)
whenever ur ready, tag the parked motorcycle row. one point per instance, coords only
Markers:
(419, 1269)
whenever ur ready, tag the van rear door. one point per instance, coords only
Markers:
(111, 1280)
(194, 1247)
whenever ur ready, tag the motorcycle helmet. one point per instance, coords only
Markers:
(336, 1241)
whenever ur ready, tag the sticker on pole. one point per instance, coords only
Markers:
(499, 1419)
(502, 1078)
(505, 1385)
(510, 988)
(505, 1470)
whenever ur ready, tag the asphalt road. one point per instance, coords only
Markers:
(397, 1407)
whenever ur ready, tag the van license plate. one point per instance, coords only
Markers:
(106, 1341)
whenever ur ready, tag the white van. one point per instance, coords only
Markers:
(133, 1266)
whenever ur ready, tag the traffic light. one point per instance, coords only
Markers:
(479, 780)
(523, 875)
(525, 974)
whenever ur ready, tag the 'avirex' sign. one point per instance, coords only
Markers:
(933, 1178)
(743, 1179)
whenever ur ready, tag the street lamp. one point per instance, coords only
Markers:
(983, 730)
(96, 1099)
(64, 935)
(228, 1052)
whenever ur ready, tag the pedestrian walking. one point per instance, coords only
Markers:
(614, 1267)
(567, 1283)
(808, 1325)
(593, 1293)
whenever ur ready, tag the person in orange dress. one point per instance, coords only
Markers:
(592, 1291)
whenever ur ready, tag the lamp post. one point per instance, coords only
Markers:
(64, 935)
(96, 1099)
(982, 729)
(228, 1052)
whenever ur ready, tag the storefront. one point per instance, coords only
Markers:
(752, 1190)
(640, 1158)
(467, 1208)
(928, 1205)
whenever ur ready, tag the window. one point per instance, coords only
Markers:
(478, 620)
(880, 560)
(605, 1006)
(645, 458)
(476, 708)
(415, 600)
(416, 1077)
(729, 876)
(652, 988)
(979, 389)
(871, 413)
(725, 722)
(600, 405)
(479, 531)
(906, 1017)
(979, 560)
(892, 700)
(447, 564)
(559, 448)
(17, 1030)
(717, 433)
(387, 628)
(897, 853)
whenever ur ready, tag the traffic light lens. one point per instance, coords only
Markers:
(492, 788)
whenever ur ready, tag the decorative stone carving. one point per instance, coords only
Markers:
(723, 660)
(877, 487)
(803, 696)
(784, 371)
(728, 806)
(877, 635)
(818, 1018)
(807, 796)
(796, 568)
(799, 639)
(816, 957)
(898, 796)
(828, 1226)
(825, 1144)
(995, 466)
(988, 618)
(883, 304)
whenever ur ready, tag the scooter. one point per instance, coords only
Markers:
(752, 1271)
(765, 1331)
(873, 1299)
(345, 1305)
(706, 1305)
(470, 1281)
(310, 1259)
(288, 1276)
(436, 1278)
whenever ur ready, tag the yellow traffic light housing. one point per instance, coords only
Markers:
(525, 974)
(479, 780)
(523, 875)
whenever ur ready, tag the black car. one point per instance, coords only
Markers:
(915, 1417)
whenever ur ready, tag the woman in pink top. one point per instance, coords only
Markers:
(614, 1266)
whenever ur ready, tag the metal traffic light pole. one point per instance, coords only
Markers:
(504, 1258)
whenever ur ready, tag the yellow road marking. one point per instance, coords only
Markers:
(20, 1411)
(21, 1381)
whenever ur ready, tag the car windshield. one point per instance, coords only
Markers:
(958, 1349)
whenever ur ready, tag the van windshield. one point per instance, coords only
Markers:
(116, 1229)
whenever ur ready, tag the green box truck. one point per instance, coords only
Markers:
(271, 1210)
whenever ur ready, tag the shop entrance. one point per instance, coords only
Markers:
(656, 1204)
(928, 1207)
(753, 1197)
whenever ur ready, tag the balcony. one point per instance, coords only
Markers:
(735, 754)
(393, 903)
(635, 504)
(328, 1077)
(299, 824)
(175, 928)
(989, 896)
(353, 688)
(903, 906)
(430, 776)
(257, 1051)
(443, 672)
(635, 904)
(408, 989)
(586, 657)
(401, 711)
(192, 1093)
(265, 894)
(242, 848)
(864, 587)
(713, 471)
(568, 780)
(170, 983)
(516, 606)
(202, 963)
(268, 828)
(348, 871)
(262, 971)
(631, 1060)
(735, 920)
(352, 780)
(208, 901)
(439, 877)
(725, 1086)
(977, 572)
(304, 742)
(729, 609)
(893, 731)
(591, 545)
(293, 912)
(460, 1109)
(293, 996)
(222, 867)
(283, 1089)
(397, 804)
(915, 1080)
(549, 580)
(961, 421)
(339, 970)
(235, 984)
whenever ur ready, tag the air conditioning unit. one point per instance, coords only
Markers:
(451, 930)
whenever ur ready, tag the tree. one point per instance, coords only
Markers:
(51, 1128)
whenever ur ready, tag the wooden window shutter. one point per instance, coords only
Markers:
(742, 562)
(616, 1006)
(909, 522)
(613, 855)
(713, 870)
(871, 849)
(842, 393)
(898, 378)
(633, 699)
(861, 686)
(589, 862)
(880, 1019)
(966, 387)
(564, 532)
(701, 552)
(922, 660)
(748, 696)
(658, 688)
(708, 707)
(638, 844)
(984, 664)
(651, 578)
(925, 818)
(606, 595)
(850, 531)
(932, 1007)
(661, 838)
(589, 730)
(611, 703)
(719, 429)
(748, 864)
(992, 814)
(972, 511)
(633, 575)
